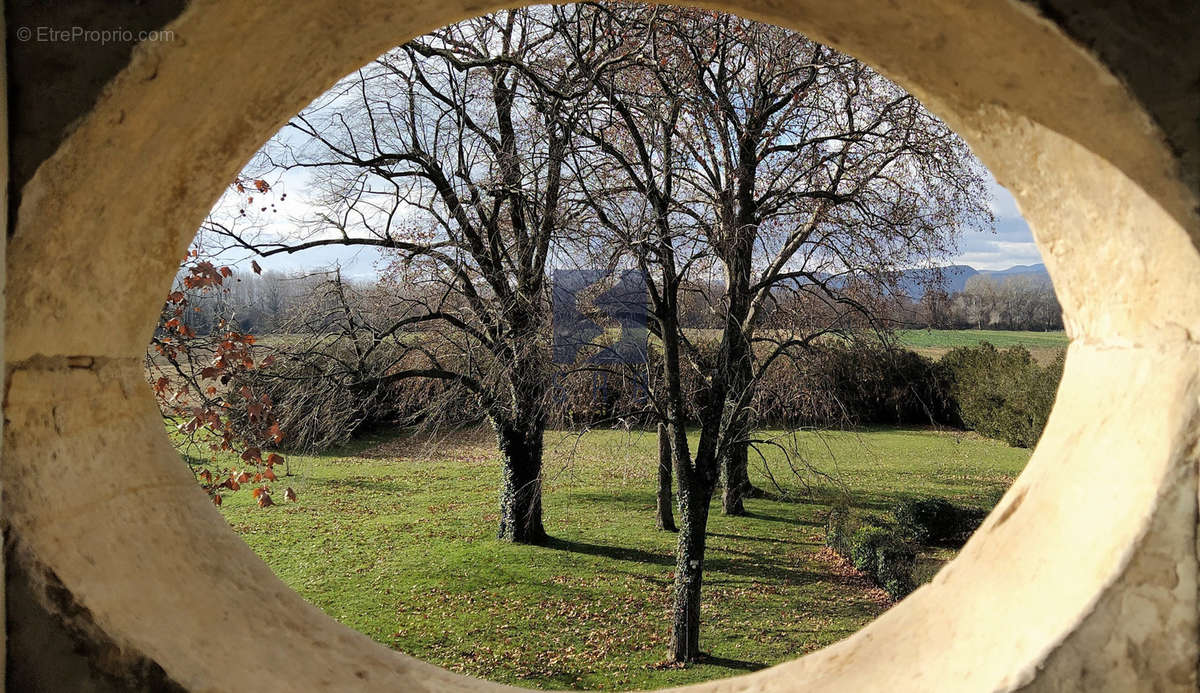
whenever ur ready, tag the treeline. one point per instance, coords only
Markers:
(339, 370)
(277, 303)
(1018, 302)
(259, 304)
(1003, 394)
(266, 303)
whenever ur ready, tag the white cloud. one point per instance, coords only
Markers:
(1003, 205)
(1010, 244)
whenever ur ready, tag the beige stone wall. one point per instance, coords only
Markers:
(1084, 578)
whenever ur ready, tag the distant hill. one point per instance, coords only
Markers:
(912, 282)
(1020, 269)
(954, 277)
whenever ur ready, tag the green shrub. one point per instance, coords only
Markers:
(831, 384)
(1002, 394)
(842, 526)
(838, 529)
(876, 548)
(876, 385)
(932, 520)
(894, 564)
(935, 520)
(864, 548)
(885, 550)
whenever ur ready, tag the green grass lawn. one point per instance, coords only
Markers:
(395, 538)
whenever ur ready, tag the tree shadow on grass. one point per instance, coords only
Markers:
(628, 497)
(418, 488)
(764, 539)
(720, 569)
(363, 484)
(770, 570)
(786, 520)
(618, 553)
(192, 460)
(728, 663)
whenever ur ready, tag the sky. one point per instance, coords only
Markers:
(287, 199)
(1011, 243)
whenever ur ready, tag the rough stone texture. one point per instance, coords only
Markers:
(1152, 47)
(60, 81)
(55, 645)
(1085, 577)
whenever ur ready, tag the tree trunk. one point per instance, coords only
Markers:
(689, 569)
(664, 514)
(735, 478)
(521, 490)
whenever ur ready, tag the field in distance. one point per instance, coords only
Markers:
(1044, 346)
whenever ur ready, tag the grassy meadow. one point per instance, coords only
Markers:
(1043, 346)
(394, 537)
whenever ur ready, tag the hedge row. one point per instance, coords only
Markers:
(831, 385)
(1001, 394)
(876, 548)
(886, 549)
(935, 521)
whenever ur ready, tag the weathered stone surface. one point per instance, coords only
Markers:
(59, 81)
(1085, 577)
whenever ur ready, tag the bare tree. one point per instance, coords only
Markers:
(1017, 302)
(449, 152)
(729, 153)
